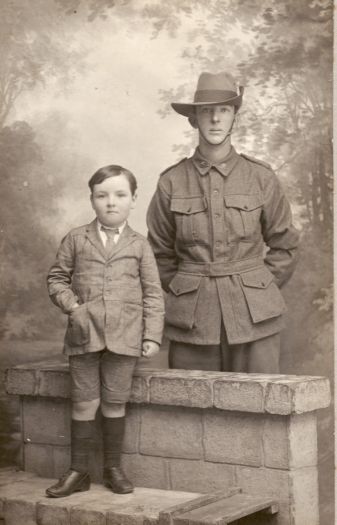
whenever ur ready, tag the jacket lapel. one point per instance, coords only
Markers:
(126, 237)
(94, 238)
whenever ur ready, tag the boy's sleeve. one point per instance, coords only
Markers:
(60, 276)
(153, 300)
(162, 234)
(279, 234)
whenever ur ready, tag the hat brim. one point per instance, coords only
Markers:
(188, 109)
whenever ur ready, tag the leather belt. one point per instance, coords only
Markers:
(220, 268)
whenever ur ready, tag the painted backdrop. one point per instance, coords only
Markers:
(85, 83)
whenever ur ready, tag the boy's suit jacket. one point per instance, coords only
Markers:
(120, 296)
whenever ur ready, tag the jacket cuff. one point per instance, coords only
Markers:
(65, 300)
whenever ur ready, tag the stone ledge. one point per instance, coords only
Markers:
(23, 500)
(259, 393)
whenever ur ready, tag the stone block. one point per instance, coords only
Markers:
(16, 512)
(81, 516)
(276, 442)
(61, 460)
(140, 392)
(298, 395)
(91, 507)
(39, 459)
(21, 381)
(200, 476)
(19, 499)
(181, 391)
(271, 483)
(144, 505)
(239, 395)
(132, 428)
(53, 512)
(146, 471)
(54, 383)
(304, 496)
(8, 476)
(234, 438)
(290, 442)
(171, 432)
(303, 440)
(46, 420)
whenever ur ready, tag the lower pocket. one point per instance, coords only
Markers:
(263, 297)
(182, 300)
(78, 326)
(132, 319)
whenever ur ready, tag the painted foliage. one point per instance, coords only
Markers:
(84, 83)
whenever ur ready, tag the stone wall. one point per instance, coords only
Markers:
(191, 431)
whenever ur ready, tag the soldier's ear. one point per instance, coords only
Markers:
(193, 121)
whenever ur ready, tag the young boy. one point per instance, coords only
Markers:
(210, 220)
(106, 280)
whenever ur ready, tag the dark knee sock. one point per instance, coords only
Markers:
(113, 434)
(82, 442)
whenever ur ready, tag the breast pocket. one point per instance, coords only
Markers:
(243, 215)
(191, 219)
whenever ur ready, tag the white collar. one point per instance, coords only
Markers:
(120, 228)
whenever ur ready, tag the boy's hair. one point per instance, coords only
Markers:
(112, 171)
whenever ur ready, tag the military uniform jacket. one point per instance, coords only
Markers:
(210, 228)
(120, 295)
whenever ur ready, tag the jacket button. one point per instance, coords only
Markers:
(245, 207)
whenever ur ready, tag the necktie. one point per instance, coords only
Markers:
(110, 233)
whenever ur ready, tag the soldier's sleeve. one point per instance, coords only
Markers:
(59, 277)
(280, 235)
(153, 300)
(162, 234)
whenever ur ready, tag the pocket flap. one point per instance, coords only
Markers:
(188, 205)
(243, 202)
(184, 283)
(259, 278)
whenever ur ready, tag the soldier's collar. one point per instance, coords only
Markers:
(225, 167)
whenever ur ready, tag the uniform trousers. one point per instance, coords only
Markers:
(261, 356)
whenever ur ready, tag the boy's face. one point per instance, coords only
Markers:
(112, 201)
(214, 122)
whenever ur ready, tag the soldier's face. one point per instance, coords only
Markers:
(214, 122)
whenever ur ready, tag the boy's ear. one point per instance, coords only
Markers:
(91, 200)
(134, 198)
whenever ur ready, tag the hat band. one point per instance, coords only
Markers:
(214, 95)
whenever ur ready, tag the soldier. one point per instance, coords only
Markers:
(221, 230)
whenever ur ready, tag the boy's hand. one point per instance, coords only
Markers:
(150, 348)
(74, 306)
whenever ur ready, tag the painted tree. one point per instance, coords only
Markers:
(30, 54)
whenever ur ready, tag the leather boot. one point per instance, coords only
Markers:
(72, 481)
(116, 480)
